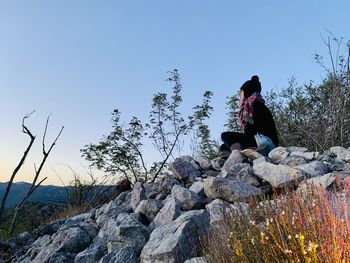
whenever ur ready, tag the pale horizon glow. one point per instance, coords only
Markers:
(79, 60)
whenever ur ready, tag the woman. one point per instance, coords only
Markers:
(255, 119)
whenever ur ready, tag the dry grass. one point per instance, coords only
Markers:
(304, 227)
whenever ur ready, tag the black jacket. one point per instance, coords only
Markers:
(263, 123)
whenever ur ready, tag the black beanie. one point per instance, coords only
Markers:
(251, 86)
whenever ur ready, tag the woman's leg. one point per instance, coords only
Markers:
(244, 139)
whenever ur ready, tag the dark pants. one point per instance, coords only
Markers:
(244, 139)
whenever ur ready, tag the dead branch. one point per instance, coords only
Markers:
(21, 162)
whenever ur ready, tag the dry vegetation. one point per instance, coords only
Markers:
(295, 227)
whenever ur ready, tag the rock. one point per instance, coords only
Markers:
(320, 181)
(149, 209)
(198, 188)
(315, 168)
(297, 149)
(119, 205)
(219, 209)
(251, 154)
(309, 156)
(218, 162)
(197, 260)
(278, 154)
(177, 240)
(137, 195)
(234, 158)
(93, 253)
(126, 231)
(203, 162)
(294, 160)
(48, 229)
(262, 160)
(184, 170)
(229, 190)
(151, 189)
(64, 245)
(187, 158)
(278, 175)
(242, 172)
(169, 212)
(125, 255)
(166, 183)
(187, 199)
(342, 153)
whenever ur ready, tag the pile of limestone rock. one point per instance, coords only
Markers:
(162, 221)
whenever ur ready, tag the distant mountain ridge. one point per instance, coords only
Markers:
(43, 194)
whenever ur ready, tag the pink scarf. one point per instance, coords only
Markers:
(246, 109)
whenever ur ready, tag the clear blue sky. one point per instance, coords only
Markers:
(81, 59)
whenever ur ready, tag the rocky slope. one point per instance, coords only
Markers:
(162, 221)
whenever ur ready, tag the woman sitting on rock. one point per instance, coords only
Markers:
(255, 119)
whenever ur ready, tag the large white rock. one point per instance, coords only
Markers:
(187, 199)
(278, 175)
(234, 158)
(169, 212)
(178, 240)
(278, 154)
(219, 209)
(229, 190)
(342, 153)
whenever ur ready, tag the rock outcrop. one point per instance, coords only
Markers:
(163, 221)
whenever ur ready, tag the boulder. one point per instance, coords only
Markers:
(309, 156)
(297, 149)
(315, 168)
(184, 170)
(251, 154)
(124, 255)
(234, 158)
(294, 160)
(93, 253)
(278, 175)
(262, 160)
(169, 212)
(126, 231)
(342, 153)
(218, 162)
(278, 154)
(137, 195)
(229, 190)
(219, 209)
(321, 181)
(198, 188)
(242, 172)
(177, 240)
(187, 199)
(149, 209)
(203, 162)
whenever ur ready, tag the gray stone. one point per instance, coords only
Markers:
(229, 190)
(203, 162)
(120, 205)
(197, 260)
(278, 154)
(137, 195)
(126, 231)
(315, 168)
(169, 212)
(166, 183)
(219, 209)
(278, 175)
(294, 160)
(262, 160)
(198, 188)
(218, 162)
(64, 244)
(297, 149)
(234, 158)
(251, 154)
(151, 189)
(124, 255)
(184, 170)
(242, 172)
(187, 158)
(309, 156)
(187, 199)
(342, 153)
(93, 253)
(177, 240)
(149, 208)
(320, 181)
